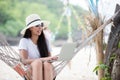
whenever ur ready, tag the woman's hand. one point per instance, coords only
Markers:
(51, 59)
(54, 57)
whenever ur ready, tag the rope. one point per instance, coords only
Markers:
(80, 45)
(8, 55)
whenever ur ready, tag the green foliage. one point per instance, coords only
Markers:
(106, 78)
(105, 68)
(119, 44)
(107, 75)
(13, 13)
(4, 17)
(112, 57)
(4, 14)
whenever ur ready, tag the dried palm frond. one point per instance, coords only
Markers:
(94, 22)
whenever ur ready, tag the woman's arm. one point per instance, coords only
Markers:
(24, 56)
(26, 60)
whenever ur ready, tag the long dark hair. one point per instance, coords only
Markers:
(41, 43)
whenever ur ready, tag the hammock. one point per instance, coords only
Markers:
(13, 59)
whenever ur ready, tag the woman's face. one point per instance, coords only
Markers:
(36, 30)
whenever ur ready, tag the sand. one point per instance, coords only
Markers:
(80, 68)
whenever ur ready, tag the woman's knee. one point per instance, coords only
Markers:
(48, 66)
(36, 63)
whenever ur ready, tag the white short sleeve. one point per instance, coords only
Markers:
(30, 47)
(22, 44)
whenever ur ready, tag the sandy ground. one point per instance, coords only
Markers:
(80, 68)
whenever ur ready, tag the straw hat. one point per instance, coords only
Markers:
(33, 20)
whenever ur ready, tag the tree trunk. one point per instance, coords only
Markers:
(113, 47)
(116, 70)
(99, 54)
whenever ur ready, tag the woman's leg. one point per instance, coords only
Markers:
(37, 73)
(48, 71)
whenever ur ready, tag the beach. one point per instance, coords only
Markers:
(80, 68)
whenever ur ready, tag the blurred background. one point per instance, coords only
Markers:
(66, 20)
(68, 23)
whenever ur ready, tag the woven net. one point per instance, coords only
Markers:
(7, 53)
(12, 58)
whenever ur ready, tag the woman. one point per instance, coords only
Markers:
(35, 50)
